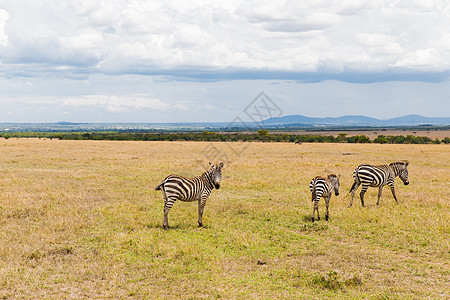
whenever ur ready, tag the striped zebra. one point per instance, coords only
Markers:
(323, 187)
(198, 188)
(378, 176)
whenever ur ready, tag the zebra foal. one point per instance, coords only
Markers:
(175, 187)
(323, 187)
(378, 176)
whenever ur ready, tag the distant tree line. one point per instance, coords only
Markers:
(260, 135)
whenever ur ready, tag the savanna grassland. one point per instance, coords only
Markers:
(81, 219)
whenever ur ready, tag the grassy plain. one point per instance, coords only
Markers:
(81, 219)
(372, 134)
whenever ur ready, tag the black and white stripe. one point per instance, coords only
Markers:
(378, 176)
(198, 188)
(323, 187)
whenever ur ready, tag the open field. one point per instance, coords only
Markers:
(81, 219)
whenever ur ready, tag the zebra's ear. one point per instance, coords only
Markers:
(406, 163)
(339, 176)
(210, 164)
(221, 165)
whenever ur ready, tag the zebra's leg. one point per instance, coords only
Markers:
(327, 203)
(393, 192)
(315, 207)
(361, 195)
(380, 189)
(201, 207)
(355, 187)
(167, 206)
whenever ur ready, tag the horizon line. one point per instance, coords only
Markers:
(213, 122)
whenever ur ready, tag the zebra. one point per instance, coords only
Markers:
(378, 176)
(198, 188)
(323, 187)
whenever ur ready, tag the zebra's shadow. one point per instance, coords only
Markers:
(180, 227)
(306, 218)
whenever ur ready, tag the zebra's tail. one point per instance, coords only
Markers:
(158, 188)
(313, 190)
(353, 186)
(355, 181)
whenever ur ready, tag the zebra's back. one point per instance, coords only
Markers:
(182, 188)
(319, 187)
(373, 175)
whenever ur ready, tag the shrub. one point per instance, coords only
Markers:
(446, 140)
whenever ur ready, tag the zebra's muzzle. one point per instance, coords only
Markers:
(406, 182)
(216, 185)
(336, 193)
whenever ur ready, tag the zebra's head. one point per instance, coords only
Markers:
(216, 174)
(334, 180)
(402, 171)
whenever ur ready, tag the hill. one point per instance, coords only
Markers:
(355, 120)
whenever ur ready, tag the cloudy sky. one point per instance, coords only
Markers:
(199, 60)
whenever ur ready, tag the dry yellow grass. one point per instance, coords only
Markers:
(374, 133)
(81, 219)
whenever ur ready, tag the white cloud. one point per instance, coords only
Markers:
(3, 36)
(287, 16)
(423, 59)
(296, 36)
(114, 103)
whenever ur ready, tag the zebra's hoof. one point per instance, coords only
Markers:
(166, 228)
(312, 219)
(326, 218)
(200, 225)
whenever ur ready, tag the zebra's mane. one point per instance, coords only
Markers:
(397, 167)
(399, 163)
(208, 174)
